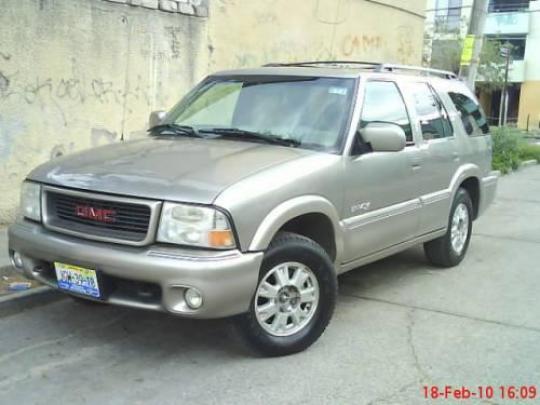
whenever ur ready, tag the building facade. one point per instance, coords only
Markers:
(516, 22)
(76, 74)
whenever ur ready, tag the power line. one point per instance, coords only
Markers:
(380, 3)
(448, 8)
(489, 12)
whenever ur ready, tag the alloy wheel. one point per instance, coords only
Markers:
(286, 299)
(460, 228)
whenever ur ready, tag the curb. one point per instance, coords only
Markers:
(528, 163)
(21, 295)
(22, 300)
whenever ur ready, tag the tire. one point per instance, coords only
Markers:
(293, 320)
(442, 251)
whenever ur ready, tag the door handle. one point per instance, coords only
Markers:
(416, 163)
(455, 156)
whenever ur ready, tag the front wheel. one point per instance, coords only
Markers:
(294, 299)
(450, 249)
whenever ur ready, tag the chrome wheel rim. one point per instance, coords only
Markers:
(460, 228)
(286, 299)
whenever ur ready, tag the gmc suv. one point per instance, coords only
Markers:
(253, 193)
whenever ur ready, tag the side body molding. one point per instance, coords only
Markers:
(284, 212)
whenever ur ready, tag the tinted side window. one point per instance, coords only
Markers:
(383, 103)
(433, 118)
(473, 118)
(215, 106)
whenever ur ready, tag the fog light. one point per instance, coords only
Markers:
(17, 260)
(193, 298)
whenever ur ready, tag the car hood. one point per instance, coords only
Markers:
(176, 169)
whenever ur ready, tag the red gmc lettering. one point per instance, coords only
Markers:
(95, 214)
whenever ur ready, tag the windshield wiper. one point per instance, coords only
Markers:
(175, 129)
(243, 134)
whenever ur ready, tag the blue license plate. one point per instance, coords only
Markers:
(77, 279)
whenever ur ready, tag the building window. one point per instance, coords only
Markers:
(448, 15)
(518, 43)
(508, 6)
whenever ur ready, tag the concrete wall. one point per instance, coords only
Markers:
(529, 101)
(529, 106)
(76, 74)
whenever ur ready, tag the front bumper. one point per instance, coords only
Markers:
(153, 277)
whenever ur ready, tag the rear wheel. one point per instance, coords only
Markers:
(450, 249)
(294, 299)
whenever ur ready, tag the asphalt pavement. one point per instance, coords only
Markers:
(400, 325)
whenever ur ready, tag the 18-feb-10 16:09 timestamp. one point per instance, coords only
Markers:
(502, 392)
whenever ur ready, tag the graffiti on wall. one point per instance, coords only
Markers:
(42, 89)
(22, 95)
(357, 44)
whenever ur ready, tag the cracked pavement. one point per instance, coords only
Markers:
(399, 325)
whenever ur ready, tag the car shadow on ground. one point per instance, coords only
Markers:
(386, 273)
(151, 334)
(159, 336)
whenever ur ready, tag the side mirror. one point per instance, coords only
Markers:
(156, 118)
(384, 137)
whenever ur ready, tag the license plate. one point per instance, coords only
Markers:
(77, 279)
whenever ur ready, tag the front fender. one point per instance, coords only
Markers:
(284, 212)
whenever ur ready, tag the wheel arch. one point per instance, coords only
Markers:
(472, 186)
(468, 177)
(311, 216)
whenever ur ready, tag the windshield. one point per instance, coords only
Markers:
(311, 112)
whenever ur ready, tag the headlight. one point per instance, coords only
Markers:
(31, 201)
(195, 226)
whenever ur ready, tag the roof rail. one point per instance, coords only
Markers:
(325, 63)
(388, 67)
(375, 66)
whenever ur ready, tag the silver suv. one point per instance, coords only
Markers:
(257, 190)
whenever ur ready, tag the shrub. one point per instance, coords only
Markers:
(506, 154)
(510, 148)
(529, 151)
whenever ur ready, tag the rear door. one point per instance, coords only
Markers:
(475, 145)
(439, 158)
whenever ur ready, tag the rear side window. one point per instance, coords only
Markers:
(473, 118)
(383, 103)
(432, 115)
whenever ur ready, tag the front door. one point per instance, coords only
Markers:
(381, 193)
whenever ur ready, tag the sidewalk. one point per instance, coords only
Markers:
(8, 274)
(4, 255)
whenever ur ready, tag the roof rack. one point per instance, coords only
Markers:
(374, 66)
(388, 67)
(324, 63)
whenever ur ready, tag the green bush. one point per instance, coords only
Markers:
(529, 151)
(510, 148)
(506, 143)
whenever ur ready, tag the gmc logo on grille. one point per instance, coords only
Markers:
(95, 214)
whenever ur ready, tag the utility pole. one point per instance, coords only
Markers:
(506, 51)
(476, 28)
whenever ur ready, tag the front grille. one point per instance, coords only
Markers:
(102, 218)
